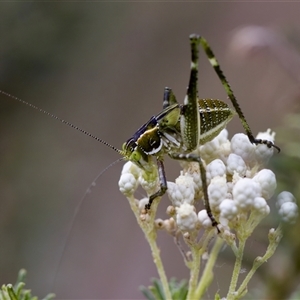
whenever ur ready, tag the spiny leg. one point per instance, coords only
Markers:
(190, 122)
(213, 61)
(168, 100)
(163, 184)
(190, 118)
(196, 158)
(190, 129)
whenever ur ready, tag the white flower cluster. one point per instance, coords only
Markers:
(238, 184)
(287, 207)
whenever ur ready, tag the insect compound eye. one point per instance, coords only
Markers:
(150, 141)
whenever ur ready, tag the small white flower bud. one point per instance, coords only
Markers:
(261, 206)
(224, 148)
(215, 148)
(197, 181)
(174, 193)
(268, 135)
(209, 150)
(244, 192)
(289, 212)
(228, 209)
(159, 224)
(127, 184)
(267, 181)
(186, 217)
(217, 191)
(185, 184)
(215, 168)
(144, 217)
(170, 225)
(130, 167)
(262, 152)
(236, 164)
(284, 197)
(240, 145)
(186, 235)
(222, 137)
(181, 191)
(170, 210)
(204, 219)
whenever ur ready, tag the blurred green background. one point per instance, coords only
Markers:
(103, 67)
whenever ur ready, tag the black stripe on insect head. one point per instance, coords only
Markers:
(149, 125)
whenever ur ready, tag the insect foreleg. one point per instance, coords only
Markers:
(163, 184)
(213, 61)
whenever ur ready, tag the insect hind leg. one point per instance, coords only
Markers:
(215, 64)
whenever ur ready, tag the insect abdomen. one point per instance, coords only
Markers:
(214, 116)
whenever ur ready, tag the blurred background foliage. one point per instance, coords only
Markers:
(103, 67)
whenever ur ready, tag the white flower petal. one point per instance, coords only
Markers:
(267, 181)
(186, 218)
(235, 163)
(289, 212)
(244, 192)
(204, 219)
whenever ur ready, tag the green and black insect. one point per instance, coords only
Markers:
(179, 128)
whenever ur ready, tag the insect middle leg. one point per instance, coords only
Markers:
(191, 157)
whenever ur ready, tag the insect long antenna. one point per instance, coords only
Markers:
(62, 121)
(76, 211)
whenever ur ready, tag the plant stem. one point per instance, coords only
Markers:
(207, 275)
(237, 268)
(151, 238)
(194, 266)
(149, 230)
(274, 239)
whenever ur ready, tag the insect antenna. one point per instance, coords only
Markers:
(89, 189)
(62, 121)
(75, 214)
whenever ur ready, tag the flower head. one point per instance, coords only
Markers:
(238, 184)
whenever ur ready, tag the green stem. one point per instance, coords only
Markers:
(194, 266)
(274, 239)
(237, 268)
(151, 238)
(207, 275)
(149, 230)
